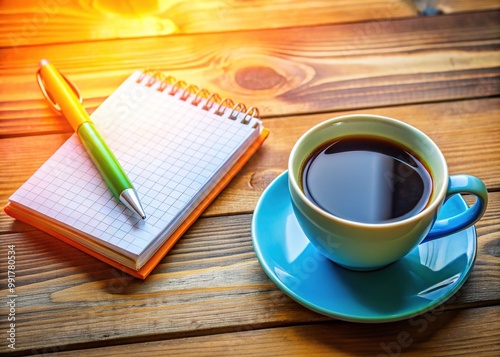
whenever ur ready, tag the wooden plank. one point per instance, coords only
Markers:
(210, 282)
(283, 72)
(454, 6)
(35, 22)
(455, 333)
(443, 122)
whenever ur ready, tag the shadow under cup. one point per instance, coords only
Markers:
(368, 246)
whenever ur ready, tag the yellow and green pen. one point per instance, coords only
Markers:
(62, 95)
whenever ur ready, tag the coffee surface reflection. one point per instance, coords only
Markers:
(366, 179)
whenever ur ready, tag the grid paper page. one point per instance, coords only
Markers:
(170, 150)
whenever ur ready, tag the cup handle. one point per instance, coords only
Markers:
(458, 184)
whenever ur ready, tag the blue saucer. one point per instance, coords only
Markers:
(422, 280)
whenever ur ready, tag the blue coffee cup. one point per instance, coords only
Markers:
(368, 246)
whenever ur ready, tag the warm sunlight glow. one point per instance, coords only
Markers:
(130, 18)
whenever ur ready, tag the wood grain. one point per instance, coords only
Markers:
(451, 6)
(283, 72)
(36, 22)
(473, 332)
(209, 283)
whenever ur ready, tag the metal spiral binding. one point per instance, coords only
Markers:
(200, 94)
(191, 89)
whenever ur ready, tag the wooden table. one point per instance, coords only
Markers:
(433, 64)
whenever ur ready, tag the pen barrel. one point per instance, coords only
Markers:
(107, 164)
(61, 93)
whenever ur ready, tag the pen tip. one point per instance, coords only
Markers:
(43, 62)
(130, 199)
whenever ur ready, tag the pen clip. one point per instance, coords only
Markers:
(47, 95)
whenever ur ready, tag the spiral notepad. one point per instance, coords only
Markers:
(180, 145)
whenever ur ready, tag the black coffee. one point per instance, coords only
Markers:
(366, 179)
